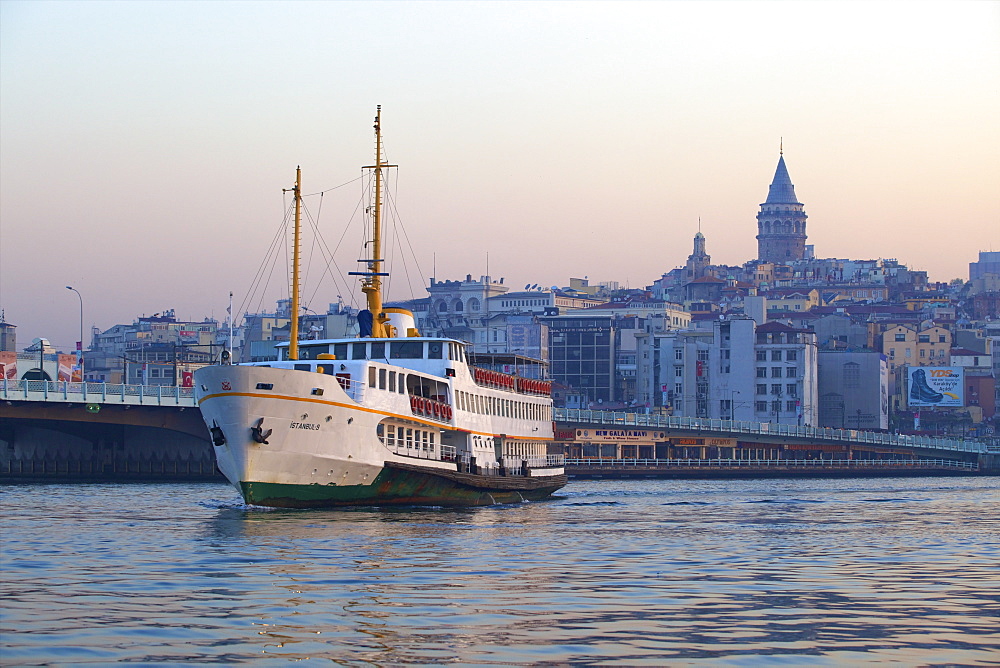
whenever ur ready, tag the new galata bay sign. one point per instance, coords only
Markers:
(620, 435)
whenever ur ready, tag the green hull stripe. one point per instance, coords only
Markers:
(390, 487)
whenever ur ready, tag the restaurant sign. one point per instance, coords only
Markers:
(647, 436)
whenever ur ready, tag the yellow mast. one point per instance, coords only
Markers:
(372, 284)
(293, 333)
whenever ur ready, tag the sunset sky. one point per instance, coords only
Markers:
(144, 145)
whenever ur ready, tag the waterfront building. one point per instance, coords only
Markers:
(787, 353)
(838, 331)
(853, 389)
(115, 353)
(988, 264)
(916, 346)
(730, 368)
(781, 222)
(792, 299)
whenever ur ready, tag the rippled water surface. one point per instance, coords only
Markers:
(722, 573)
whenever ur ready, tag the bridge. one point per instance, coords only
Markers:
(624, 444)
(99, 429)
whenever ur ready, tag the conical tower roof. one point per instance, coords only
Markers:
(781, 191)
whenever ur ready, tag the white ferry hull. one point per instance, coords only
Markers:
(306, 443)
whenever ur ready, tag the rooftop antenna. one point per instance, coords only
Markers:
(781, 146)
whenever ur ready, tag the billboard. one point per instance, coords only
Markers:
(66, 364)
(936, 386)
(8, 365)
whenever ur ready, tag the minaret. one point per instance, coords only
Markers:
(781, 223)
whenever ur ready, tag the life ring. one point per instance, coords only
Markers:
(436, 407)
(414, 402)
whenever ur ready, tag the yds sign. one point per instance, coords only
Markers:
(936, 386)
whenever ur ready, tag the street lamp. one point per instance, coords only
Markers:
(69, 287)
(732, 404)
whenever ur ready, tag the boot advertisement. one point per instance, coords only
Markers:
(935, 386)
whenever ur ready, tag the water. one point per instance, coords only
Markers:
(720, 573)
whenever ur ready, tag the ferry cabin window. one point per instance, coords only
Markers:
(359, 351)
(392, 381)
(378, 350)
(402, 383)
(303, 367)
(371, 376)
(381, 379)
(434, 350)
(340, 350)
(406, 350)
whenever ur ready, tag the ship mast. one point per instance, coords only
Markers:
(293, 333)
(372, 283)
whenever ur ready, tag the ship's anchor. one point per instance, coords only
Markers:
(218, 438)
(259, 433)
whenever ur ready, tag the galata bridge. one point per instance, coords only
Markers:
(97, 431)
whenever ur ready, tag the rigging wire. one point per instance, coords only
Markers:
(267, 266)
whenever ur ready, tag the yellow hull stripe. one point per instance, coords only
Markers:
(355, 407)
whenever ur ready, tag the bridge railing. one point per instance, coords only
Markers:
(596, 462)
(715, 427)
(96, 393)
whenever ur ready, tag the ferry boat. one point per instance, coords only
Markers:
(387, 418)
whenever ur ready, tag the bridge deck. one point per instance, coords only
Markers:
(96, 393)
(737, 428)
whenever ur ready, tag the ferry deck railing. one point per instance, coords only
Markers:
(716, 427)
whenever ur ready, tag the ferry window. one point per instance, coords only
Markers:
(378, 350)
(318, 391)
(265, 386)
(390, 435)
(340, 351)
(392, 381)
(371, 376)
(434, 350)
(303, 367)
(406, 350)
(359, 351)
(409, 438)
(381, 379)
(402, 383)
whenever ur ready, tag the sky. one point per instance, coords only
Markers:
(144, 146)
